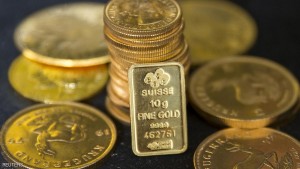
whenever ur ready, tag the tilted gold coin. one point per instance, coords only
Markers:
(245, 92)
(248, 149)
(59, 135)
(45, 83)
(158, 108)
(69, 35)
(215, 29)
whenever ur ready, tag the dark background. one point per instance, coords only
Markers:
(278, 40)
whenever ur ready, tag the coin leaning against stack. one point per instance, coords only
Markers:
(63, 53)
(140, 32)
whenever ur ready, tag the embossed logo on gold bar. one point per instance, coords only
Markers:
(158, 109)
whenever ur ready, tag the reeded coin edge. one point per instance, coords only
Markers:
(93, 61)
(117, 113)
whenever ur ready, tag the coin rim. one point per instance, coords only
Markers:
(56, 61)
(238, 122)
(219, 133)
(232, 8)
(161, 30)
(17, 60)
(90, 109)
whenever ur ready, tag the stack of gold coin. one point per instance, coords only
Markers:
(141, 32)
(63, 53)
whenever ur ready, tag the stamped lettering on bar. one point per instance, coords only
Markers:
(158, 109)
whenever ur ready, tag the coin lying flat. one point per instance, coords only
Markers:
(216, 29)
(69, 35)
(245, 92)
(59, 135)
(248, 149)
(157, 109)
(45, 83)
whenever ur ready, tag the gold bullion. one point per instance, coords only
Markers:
(121, 113)
(244, 92)
(69, 35)
(248, 149)
(144, 18)
(215, 29)
(158, 109)
(59, 135)
(46, 83)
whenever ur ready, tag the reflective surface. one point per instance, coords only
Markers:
(248, 149)
(59, 135)
(158, 109)
(45, 83)
(69, 35)
(216, 28)
(245, 92)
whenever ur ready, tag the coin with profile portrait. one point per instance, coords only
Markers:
(57, 135)
(244, 92)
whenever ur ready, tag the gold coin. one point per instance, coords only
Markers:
(248, 149)
(69, 35)
(115, 72)
(119, 112)
(146, 53)
(245, 92)
(122, 91)
(215, 29)
(157, 109)
(58, 135)
(150, 18)
(45, 83)
(145, 42)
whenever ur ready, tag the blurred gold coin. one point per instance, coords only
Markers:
(245, 92)
(69, 35)
(45, 83)
(59, 135)
(217, 28)
(258, 148)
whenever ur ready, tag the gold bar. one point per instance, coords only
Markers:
(158, 109)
